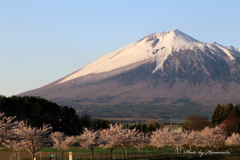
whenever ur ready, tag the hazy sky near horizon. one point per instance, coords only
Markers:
(42, 41)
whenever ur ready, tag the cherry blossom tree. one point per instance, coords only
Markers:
(212, 137)
(206, 136)
(176, 138)
(161, 138)
(142, 143)
(117, 135)
(15, 142)
(7, 126)
(219, 136)
(62, 142)
(16, 145)
(33, 139)
(109, 138)
(183, 142)
(233, 140)
(129, 138)
(192, 139)
(89, 140)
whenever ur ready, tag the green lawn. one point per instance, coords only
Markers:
(101, 150)
(119, 153)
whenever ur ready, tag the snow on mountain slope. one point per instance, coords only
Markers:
(231, 52)
(154, 47)
(169, 65)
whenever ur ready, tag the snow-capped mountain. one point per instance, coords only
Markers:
(167, 64)
(154, 47)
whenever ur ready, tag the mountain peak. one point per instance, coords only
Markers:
(174, 39)
(177, 31)
(178, 36)
(155, 47)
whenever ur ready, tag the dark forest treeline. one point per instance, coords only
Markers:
(222, 112)
(38, 111)
(228, 116)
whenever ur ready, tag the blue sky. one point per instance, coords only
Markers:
(42, 41)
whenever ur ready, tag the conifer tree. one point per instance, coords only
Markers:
(227, 109)
(218, 115)
(237, 109)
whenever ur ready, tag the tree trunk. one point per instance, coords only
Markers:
(32, 155)
(62, 155)
(16, 156)
(32, 152)
(126, 151)
(111, 153)
(87, 154)
(92, 154)
(182, 150)
(140, 151)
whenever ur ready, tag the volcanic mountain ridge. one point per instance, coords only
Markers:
(166, 66)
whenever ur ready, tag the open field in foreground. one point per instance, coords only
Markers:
(149, 154)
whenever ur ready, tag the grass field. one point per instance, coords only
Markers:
(118, 153)
(156, 109)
